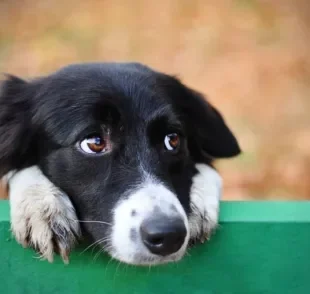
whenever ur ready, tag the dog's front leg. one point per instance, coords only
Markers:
(42, 216)
(205, 196)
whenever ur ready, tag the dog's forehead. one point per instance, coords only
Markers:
(70, 96)
(94, 83)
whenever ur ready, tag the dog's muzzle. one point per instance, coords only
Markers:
(150, 226)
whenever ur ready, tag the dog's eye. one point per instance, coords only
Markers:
(94, 143)
(172, 142)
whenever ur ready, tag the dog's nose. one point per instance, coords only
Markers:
(163, 235)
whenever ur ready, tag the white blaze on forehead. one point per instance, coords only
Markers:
(148, 200)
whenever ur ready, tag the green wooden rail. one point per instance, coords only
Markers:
(261, 247)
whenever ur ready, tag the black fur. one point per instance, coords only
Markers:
(42, 121)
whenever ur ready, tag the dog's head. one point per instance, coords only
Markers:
(122, 141)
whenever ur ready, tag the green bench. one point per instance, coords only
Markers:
(260, 247)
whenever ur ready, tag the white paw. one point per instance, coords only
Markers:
(41, 215)
(205, 196)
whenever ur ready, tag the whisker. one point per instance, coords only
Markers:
(104, 241)
(99, 222)
(94, 243)
(115, 274)
(107, 265)
(98, 254)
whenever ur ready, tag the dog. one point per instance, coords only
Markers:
(116, 152)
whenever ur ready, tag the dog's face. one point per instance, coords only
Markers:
(122, 141)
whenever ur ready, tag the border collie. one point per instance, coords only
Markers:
(117, 151)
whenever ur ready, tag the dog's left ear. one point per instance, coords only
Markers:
(209, 137)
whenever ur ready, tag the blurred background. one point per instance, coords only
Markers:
(250, 57)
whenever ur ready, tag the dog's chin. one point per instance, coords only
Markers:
(148, 259)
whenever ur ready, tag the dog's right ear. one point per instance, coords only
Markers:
(209, 137)
(15, 123)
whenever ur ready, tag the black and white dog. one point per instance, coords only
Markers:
(117, 151)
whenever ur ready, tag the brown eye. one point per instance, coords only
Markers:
(94, 144)
(172, 142)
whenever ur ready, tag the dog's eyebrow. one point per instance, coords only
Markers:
(77, 132)
(166, 113)
(166, 121)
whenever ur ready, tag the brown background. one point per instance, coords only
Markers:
(250, 57)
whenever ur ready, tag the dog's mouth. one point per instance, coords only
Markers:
(149, 259)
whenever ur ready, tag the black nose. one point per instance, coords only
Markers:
(163, 235)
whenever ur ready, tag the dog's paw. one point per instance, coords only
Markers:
(205, 198)
(42, 216)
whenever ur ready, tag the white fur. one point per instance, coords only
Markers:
(205, 198)
(150, 198)
(38, 210)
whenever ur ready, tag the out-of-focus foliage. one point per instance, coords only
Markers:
(251, 57)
